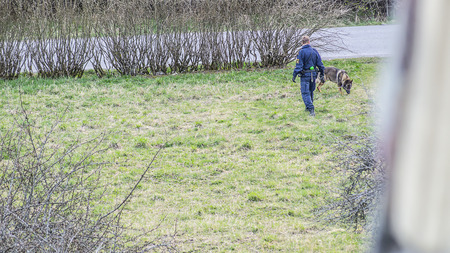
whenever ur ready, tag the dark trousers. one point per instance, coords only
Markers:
(307, 87)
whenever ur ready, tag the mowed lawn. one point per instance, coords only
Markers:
(242, 166)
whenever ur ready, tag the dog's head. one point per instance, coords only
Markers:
(347, 85)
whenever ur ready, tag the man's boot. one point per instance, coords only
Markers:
(311, 113)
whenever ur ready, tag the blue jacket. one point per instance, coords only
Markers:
(308, 57)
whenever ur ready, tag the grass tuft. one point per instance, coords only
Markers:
(255, 196)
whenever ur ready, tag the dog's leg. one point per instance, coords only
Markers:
(318, 86)
(340, 90)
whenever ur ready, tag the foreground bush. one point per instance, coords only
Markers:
(51, 194)
(364, 179)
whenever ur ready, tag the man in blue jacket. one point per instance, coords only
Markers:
(308, 64)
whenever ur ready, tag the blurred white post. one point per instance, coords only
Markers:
(418, 136)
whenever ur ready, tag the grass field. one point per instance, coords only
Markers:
(243, 165)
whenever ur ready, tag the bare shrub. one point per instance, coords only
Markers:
(276, 46)
(61, 47)
(158, 55)
(364, 180)
(126, 54)
(139, 45)
(12, 48)
(52, 193)
(276, 33)
(237, 48)
(209, 44)
(132, 45)
(182, 46)
(226, 50)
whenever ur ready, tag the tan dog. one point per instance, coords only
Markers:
(338, 76)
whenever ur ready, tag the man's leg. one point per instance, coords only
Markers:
(312, 87)
(306, 94)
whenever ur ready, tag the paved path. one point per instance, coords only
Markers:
(363, 41)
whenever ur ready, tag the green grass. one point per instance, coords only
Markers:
(243, 164)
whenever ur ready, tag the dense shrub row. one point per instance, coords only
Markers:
(62, 38)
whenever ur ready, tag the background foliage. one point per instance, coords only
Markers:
(61, 38)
